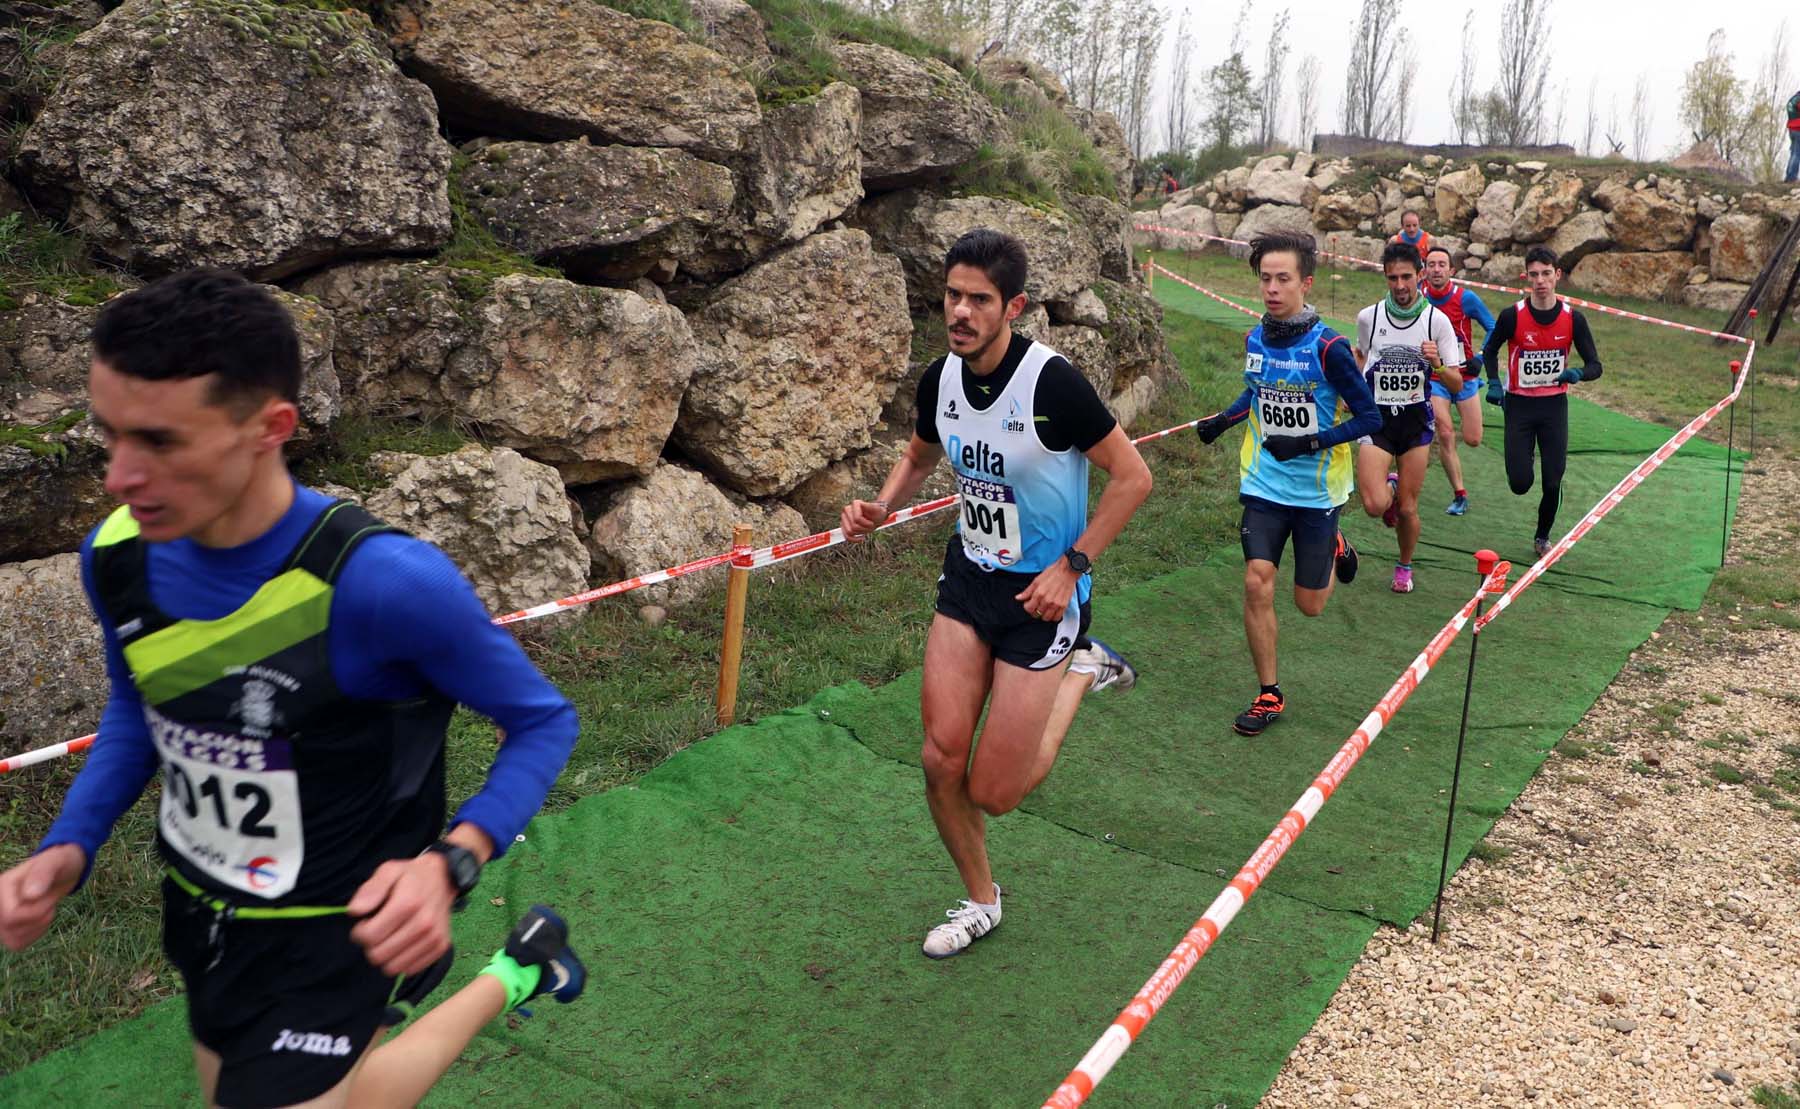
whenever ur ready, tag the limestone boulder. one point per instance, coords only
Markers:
(1741, 245)
(1343, 211)
(1644, 220)
(564, 69)
(586, 379)
(1458, 194)
(1272, 183)
(734, 29)
(501, 517)
(1546, 206)
(919, 228)
(1366, 247)
(1493, 221)
(799, 354)
(51, 489)
(1235, 189)
(675, 515)
(1584, 234)
(1131, 402)
(1108, 225)
(1784, 208)
(321, 394)
(920, 118)
(53, 682)
(1714, 296)
(1610, 191)
(1228, 223)
(1135, 345)
(1006, 69)
(33, 37)
(1084, 309)
(1412, 180)
(1505, 269)
(801, 168)
(1275, 217)
(1330, 173)
(1187, 217)
(1304, 162)
(598, 212)
(1085, 348)
(313, 162)
(1645, 275)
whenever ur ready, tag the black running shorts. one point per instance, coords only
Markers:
(1266, 528)
(1414, 426)
(986, 602)
(288, 1005)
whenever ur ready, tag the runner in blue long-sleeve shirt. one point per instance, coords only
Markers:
(289, 664)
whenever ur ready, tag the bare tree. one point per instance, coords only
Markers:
(1180, 121)
(1462, 83)
(1306, 101)
(1524, 71)
(1613, 131)
(1143, 44)
(1767, 145)
(1643, 115)
(1274, 63)
(1593, 117)
(1371, 108)
(1403, 88)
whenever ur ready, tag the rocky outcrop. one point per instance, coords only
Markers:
(564, 69)
(588, 380)
(1104, 131)
(919, 229)
(1494, 213)
(1741, 246)
(920, 118)
(1457, 195)
(800, 353)
(1274, 217)
(1546, 205)
(502, 518)
(676, 515)
(1134, 336)
(1647, 276)
(734, 29)
(1272, 182)
(1643, 220)
(1180, 218)
(598, 213)
(135, 148)
(52, 491)
(1108, 225)
(801, 168)
(821, 498)
(1581, 236)
(1344, 211)
(1714, 296)
(53, 681)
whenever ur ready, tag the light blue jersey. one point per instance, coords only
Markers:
(1291, 395)
(1023, 505)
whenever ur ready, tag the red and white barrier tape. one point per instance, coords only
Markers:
(1204, 291)
(1510, 291)
(45, 754)
(761, 556)
(1626, 484)
(1125, 1028)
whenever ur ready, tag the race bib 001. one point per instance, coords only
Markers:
(1541, 368)
(990, 523)
(1399, 377)
(1287, 411)
(231, 806)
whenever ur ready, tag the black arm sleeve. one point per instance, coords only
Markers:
(925, 422)
(1584, 346)
(1500, 333)
(1069, 412)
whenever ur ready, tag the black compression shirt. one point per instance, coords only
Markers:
(1070, 413)
(1509, 321)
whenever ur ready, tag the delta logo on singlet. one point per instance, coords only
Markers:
(977, 456)
(1015, 418)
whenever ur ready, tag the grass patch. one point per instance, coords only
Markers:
(354, 440)
(801, 34)
(1640, 767)
(1571, 748)
(1775, 1097)
(472, 251)
(1712, 698)
(1727, 773)
(1489, 852)
(676, 13)
(40, 439)
(37, 256)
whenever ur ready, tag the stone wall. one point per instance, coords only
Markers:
(1617, 232)
(710, 308)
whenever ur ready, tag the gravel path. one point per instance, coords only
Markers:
(1633, 935)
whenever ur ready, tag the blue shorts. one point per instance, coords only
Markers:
(1470, 387)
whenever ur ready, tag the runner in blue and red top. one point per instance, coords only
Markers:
(1541, 330)
(1464, 308)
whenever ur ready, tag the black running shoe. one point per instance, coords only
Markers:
(1263, 711)
(1346, 565)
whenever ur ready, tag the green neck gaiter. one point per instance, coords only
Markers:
(1399, 313)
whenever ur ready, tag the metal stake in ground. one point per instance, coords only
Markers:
(1752, 330)
(1484, 565)
(1730, 445)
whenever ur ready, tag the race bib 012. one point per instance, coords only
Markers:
(1540, 368)
(1287, 411)
(231, 806)
(990, 523)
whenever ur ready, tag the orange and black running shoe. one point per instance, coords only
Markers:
(1263, 711)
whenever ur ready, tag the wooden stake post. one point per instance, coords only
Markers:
(737, 593)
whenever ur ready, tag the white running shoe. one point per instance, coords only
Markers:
(968, 922)
(1108, 667)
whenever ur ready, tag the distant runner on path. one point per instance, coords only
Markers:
(1294, 470)
(1019, 426)
(1462, 306)
(1539, 332)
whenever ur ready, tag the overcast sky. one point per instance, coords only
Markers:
(1611, 41)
